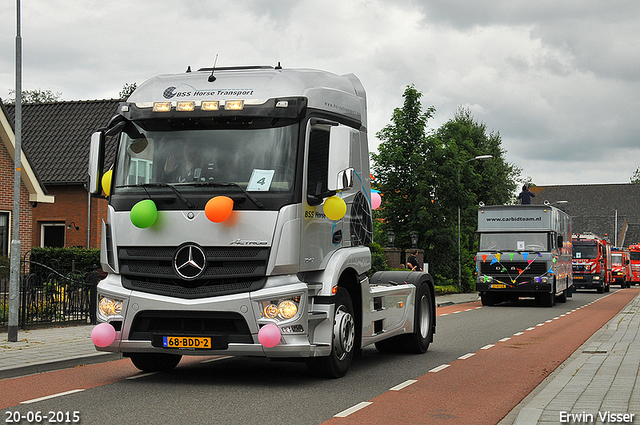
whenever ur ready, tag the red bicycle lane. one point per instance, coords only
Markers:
(483, 387)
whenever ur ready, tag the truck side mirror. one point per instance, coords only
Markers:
(340, 172)
(560, 241)
(96, 162)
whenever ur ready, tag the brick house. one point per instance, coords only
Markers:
(55, 137)
(31, 191)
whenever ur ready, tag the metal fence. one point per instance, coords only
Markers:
(50, 297)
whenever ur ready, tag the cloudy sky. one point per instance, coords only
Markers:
(558, 79)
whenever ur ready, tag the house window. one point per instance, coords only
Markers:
(140, 171)
(52, 235)
(4, 233)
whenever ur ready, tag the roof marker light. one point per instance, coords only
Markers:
(210, 105)
(161, 106)
(234, 105)
(186, 106)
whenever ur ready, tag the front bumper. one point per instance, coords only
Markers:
(522, 288)
(232, 321)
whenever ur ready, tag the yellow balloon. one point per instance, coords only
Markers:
(335, 208)
(106, 182)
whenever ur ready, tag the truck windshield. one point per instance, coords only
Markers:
(257, 157)
(616, 259)
(525, 241)
(634, 256)
(585, 251)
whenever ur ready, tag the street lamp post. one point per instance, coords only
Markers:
(477, 158)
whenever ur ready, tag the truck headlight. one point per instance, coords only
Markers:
(596, 278)
(109, 306)
(283, 309)
(485, 279)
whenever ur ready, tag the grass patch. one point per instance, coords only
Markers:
(448, 289)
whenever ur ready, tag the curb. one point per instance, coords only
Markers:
(58, 365)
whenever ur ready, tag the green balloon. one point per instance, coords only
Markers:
(144, 214)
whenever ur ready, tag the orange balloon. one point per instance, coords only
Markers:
(219, 208)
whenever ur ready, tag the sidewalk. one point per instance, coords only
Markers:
(597, 384)
(42, 350)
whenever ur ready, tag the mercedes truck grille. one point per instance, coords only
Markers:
(189, 271)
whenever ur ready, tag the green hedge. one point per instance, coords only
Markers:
(63, 260)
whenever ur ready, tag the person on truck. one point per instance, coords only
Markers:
(526, 195)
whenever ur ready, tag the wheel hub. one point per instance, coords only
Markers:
(343, 333)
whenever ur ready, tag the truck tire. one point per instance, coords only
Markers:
(563, 297)
(488, 299)
(155, 362)
(418, 342)
(336, 364)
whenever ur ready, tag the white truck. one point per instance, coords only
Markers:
(239, 213)
(524, 251)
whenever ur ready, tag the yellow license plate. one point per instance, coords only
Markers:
(497, 286)
(186, 342)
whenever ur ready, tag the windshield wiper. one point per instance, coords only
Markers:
(227, 184)
(170, 186)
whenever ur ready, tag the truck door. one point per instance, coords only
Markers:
(320, 235)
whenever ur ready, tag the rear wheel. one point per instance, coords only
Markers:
(418, 342)
(336, 364)
(155, 362)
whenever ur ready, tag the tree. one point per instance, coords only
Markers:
(635, 178)
(35, 96)
(425, 176)
(127, 89)
(464, 182)
(399, 167)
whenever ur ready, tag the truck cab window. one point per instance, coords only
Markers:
(317, 183)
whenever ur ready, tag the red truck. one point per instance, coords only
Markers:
(591, 262)
(634, 258)
(621, 267)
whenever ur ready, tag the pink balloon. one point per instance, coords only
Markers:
(269, 335)
(103, 334)
(376, 200)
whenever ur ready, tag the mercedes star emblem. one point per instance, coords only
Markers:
(190, 261)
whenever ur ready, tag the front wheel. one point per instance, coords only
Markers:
(336, 364)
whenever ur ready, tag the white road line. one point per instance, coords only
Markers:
(216, 359)
(505, 339)
(486, 347)
(439, 368)
(540, 324)
(405, 384)
(353, 409)
(35, 400)
(142, 375)
(466, 356)
(518, 333)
